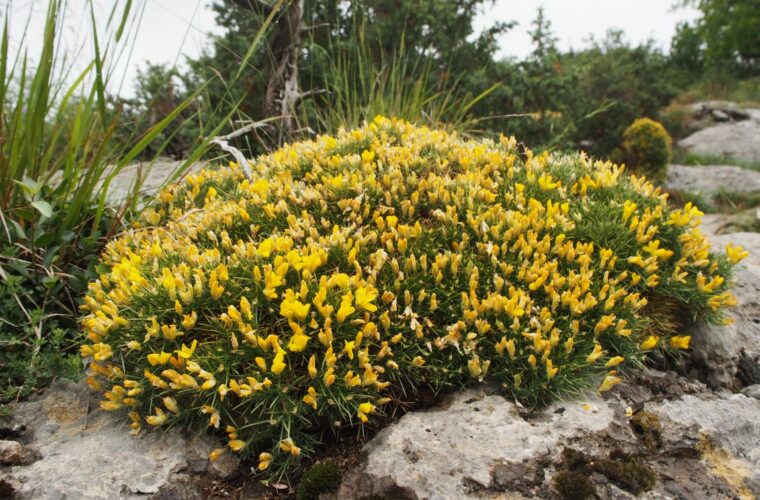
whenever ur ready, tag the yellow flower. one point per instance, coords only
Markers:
(311, 398)
(595, 354)
(609, 381)
(288, 446)
(264, 460)
(312, 367)
(171, 405)
(346, 308)
(215, 454)
(159, 359)
(188, 320)
(551, 370)
(363, 410)
(680, 341)
(348, 348)
(294, 309)
(236, 445)
(614, 361)
(736, 253)
(187, 352)
(216, 289)
(278, 364)
(474, 366)
(298, 342)
(364, 297)
(157, 419)
(650, 343)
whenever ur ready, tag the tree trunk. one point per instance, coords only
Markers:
(283, 93)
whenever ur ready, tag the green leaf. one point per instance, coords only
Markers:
(45, 240)
(44, 208)
(49, 281)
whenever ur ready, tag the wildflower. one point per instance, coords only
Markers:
(159, 359)
(288, 446)
(188, 320)
(609, 381)
(264, 460)
(278, 363)
(364, 297)
(736, 253)
(158, 419)
(171, 405)
(236, 444)
(346, 308)
(187, 352)
(312, 366)
(311, 398)
(650, 343)
(363, 410)
(614, 361)
(680, 341)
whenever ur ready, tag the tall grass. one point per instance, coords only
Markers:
(360, 83)
(59, 159)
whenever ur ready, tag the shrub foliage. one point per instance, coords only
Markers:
(355, 269)
(646, 149)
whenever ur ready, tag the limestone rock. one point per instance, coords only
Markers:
(696, 444)
(731, 425)
(736, 140)
(719, 111)
(729, 356)
(91, 455)
(477, 441)
(708, 180)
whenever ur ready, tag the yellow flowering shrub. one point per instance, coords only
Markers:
(646, 149)
(355, 269)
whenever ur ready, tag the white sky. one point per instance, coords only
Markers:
(170, 29)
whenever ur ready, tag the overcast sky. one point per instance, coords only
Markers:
(170, 29)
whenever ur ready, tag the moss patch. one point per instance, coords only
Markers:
(320, 478)
(573, 485)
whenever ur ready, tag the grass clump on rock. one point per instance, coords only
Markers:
(646, 149)
(353, 270)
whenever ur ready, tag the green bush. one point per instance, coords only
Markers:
(645, 149)
(353, 271)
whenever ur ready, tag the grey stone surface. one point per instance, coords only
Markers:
(154, 175)
(710, 179)
(480, 445)
(93, 456)
(729, 356)
(738, 140)
(731, 425)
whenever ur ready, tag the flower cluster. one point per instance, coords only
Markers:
(355, 269)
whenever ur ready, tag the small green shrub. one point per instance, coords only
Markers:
(355, 270)
(645, 149)
(320, 478)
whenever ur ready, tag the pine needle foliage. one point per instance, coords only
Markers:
(356, 268)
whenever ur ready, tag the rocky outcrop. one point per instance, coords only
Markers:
(659, 433)
(729, 356)
(708, 180)
(737, 140)
(86, 453)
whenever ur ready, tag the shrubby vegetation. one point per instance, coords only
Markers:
(57, 160)
(354, 270)
(645, 149)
